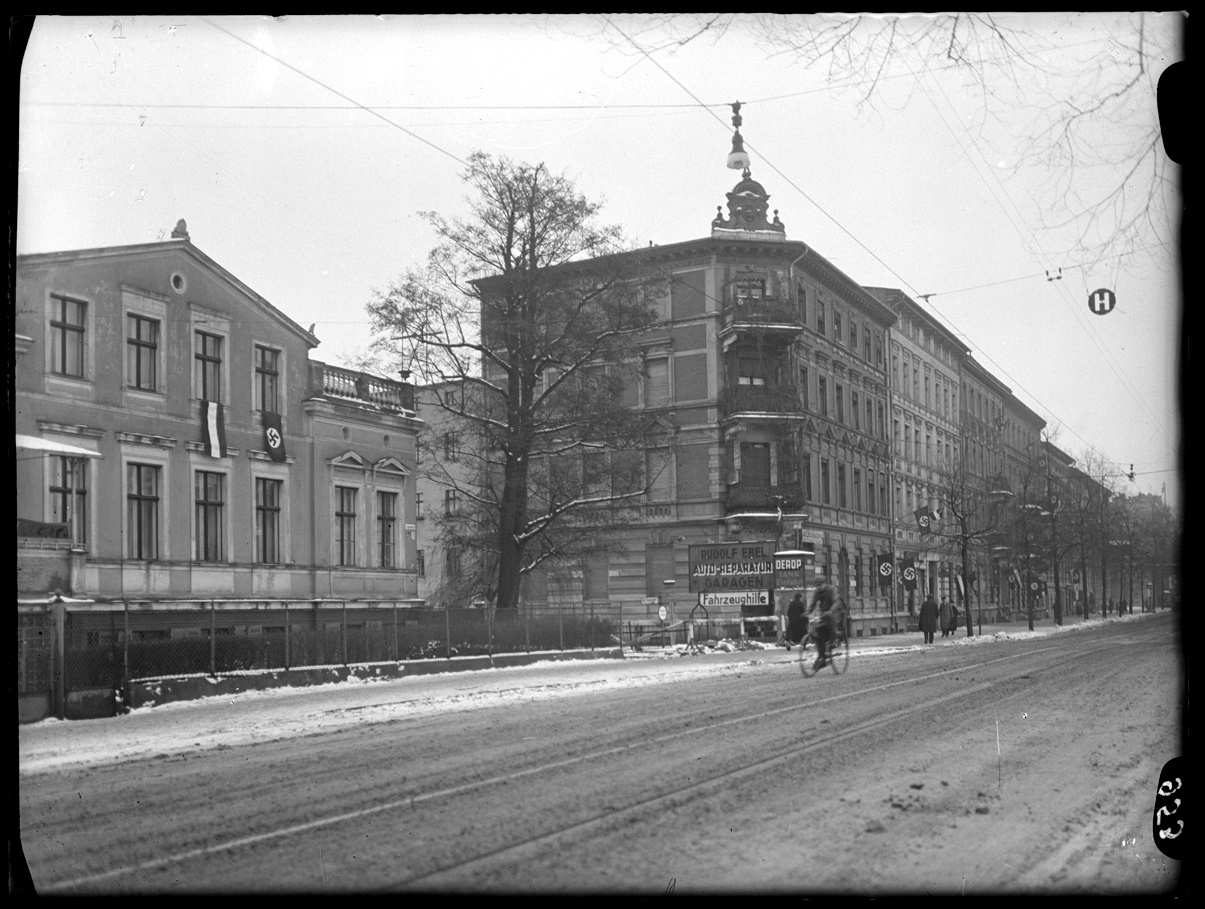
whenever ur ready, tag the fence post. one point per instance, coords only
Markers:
(213, 638)
(395, 653)
(489, 630)
(58, 656)
(447, 632)
(125, 649)
(560, 621)
(591, 626)
(527, 628)
(343, 632)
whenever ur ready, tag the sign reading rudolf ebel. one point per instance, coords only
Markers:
(725, 567)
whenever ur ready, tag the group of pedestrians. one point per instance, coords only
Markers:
(932, 616)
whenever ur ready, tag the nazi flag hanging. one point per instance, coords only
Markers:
(273, 436)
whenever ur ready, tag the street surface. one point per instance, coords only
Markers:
(1019, 766)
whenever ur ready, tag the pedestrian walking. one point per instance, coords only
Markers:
(944, 616)
(928, 618)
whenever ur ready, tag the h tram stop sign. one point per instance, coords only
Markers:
(1102, 301)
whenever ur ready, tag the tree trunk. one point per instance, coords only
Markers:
(512, 517)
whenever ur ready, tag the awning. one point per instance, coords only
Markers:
(45, 446)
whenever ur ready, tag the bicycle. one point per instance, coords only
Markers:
(838, 649)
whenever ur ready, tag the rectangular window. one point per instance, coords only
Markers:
(657, 475)
(419, 510)
(802, 297)
(656, 382)
(866, 342)
(452, 563)
(805, 476)
(420, 558)
(207, 367)
(825, 494)
(750, 290)
(755, 463)
(820, 317)
(69, 496)
(267, 379)
(840, 398)
(882, 495)
(451, 501)
(895, 371)
(451, 446)
(870, 416)
(210, 504)
(267, 520)
(837, 326)
(841, 485)
(751, 371)
(853, 336)
(387, 529)
(822, 393)
(878, 349)
(928, 398)
(142, 511)
(803, 388)
(854, 410)
(857, 489)
(67, 336)
(882, 422)
(143, 353)
(870, 504)
(345, 524)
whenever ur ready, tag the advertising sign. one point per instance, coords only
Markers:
(731, 567)
(792, 568)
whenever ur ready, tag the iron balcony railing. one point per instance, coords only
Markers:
(763, 311)
(745, 496)
(773, 399)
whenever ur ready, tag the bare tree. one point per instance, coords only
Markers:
(1086, 113)
(526, 310)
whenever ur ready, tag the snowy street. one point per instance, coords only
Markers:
(1019, 763)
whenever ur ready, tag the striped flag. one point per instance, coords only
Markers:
(213, 425)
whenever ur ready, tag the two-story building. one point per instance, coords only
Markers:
(177, 444)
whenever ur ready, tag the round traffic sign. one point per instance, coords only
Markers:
(662, 612)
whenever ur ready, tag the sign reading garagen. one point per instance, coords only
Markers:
(731, 567)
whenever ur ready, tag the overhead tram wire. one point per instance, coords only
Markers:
(335, 91)
(795, 186)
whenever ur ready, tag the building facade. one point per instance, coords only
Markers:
(176, 442)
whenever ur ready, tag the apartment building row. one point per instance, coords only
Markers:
(807, 410)
(175, 442)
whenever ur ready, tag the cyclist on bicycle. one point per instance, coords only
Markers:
(824, 599)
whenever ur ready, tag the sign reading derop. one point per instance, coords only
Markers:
(731, 567)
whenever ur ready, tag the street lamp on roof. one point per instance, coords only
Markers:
(738, 158)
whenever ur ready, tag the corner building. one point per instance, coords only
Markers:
(769, 374)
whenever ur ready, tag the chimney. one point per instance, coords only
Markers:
(181, 231)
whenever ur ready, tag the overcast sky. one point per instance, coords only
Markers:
(301, 152)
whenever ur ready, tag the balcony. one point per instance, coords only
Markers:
(764, 497)
(362, 388)
(762, 399)
(762, 313)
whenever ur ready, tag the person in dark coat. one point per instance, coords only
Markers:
(797, 620)
(928, 618)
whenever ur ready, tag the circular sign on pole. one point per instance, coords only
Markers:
(662, 613)
(1102, 301)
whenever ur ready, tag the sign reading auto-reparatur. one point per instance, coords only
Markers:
(731, 567)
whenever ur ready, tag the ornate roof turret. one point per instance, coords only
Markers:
(748, 201)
